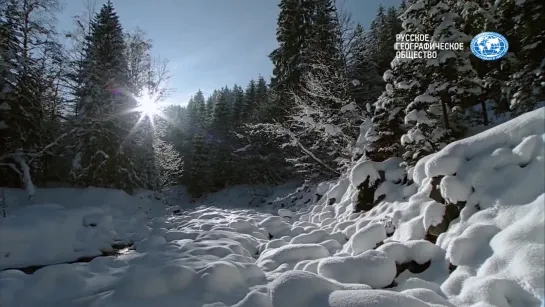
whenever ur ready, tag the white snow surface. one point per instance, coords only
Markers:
(273, 247)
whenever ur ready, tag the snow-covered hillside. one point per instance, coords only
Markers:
(465, 227)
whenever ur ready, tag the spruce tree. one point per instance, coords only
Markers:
(200, 108)
(105, 151)
(210, 101)
(367, 83)
(261, 111)
(453, 84)
(191, 112)
(249, 100)
(238, 104)
(291, 59)
(373, 53)
(322, 46)
(404, 82)
(219, 140)
(527, 41)
(199, 171)
(389, 25)
(292, 31)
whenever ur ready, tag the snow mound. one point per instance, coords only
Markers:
(54, 235)
(372, 268)
(468, 219)
(291, 255)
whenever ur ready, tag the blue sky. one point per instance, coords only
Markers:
(209, 43)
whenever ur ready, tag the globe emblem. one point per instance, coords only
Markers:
(489, 46)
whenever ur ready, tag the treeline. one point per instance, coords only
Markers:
(210, 134)
(337, 94)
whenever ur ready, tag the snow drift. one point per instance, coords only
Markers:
(464, 227)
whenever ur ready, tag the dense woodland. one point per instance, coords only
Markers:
(68, 100)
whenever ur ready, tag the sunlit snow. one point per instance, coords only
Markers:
(235, 248)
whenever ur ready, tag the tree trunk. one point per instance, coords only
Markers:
(444, 98)
(484, 113)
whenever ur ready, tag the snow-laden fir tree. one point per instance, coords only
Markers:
(372, 56)
(104, 150)
(196, 112)
(238, 106)
(262, 106)
(248, 104)
(453, 85)
(388, 25)
(367, 83)
(219, 140)
(527, 83)
(259, 158)
(199, 171)
(322, 45)
(169, 164)
(210, 101)
(140, 85)
(477, 17)
(404, 81)
(320, 124)
(292, 31)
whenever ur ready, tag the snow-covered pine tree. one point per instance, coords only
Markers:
(453, 85)
(322, 46)
(249, 101)
(373, 55)
(477, 17)
(367, 83)
(292, 31)
(210, 101)
(199, 110)
(104, 154)
(219, 141)
(527, 83)
(238, 105)
(139, 69)
(388, 25)
(199, 126)
(174, 130)
(259, 158)
(422, 113)
(323, 121)
(199, 171)
(404, 82)
(237, 121)
(169, 164)
(260, 111)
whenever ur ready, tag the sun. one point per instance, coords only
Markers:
(149, 109)
(147, 106)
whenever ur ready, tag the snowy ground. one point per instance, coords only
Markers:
(229, 250)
